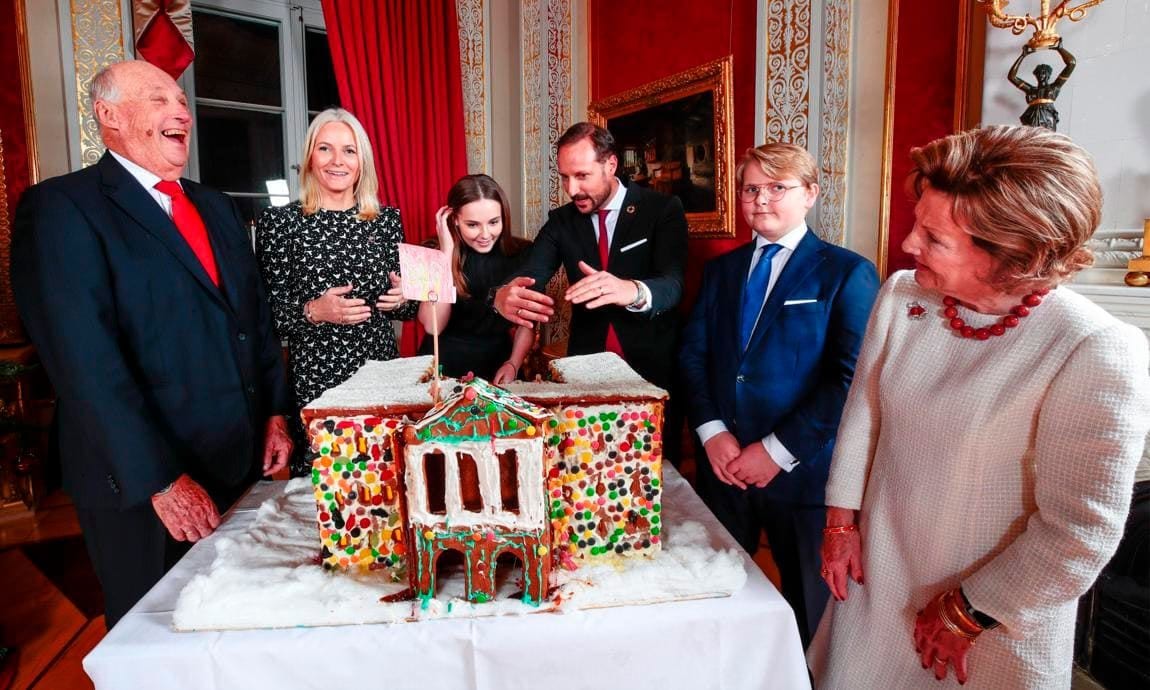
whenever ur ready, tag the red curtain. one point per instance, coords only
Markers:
(397, 65)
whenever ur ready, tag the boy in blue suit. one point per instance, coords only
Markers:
(768, 356)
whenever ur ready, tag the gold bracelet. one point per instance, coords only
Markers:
(950, 625)
(840, 529)
(959, 615)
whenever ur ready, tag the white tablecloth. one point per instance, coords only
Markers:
(748, 640)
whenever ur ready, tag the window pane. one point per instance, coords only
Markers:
(322, 91)
(240, 150)
(237, 59)
(250, 208)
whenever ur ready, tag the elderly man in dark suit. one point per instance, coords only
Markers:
(624, 248)
(142, 296)
(768, 356)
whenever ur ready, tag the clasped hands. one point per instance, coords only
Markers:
(522, 306)
(186, 509)
(333, 307)
(738, 466)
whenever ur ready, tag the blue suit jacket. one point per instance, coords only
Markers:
(793, 378)
(157, 371)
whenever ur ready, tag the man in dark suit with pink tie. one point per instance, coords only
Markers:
(768, 356)
(140, 291)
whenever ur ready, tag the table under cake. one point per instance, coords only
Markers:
(748, 640)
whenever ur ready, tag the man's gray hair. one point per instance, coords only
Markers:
(103, 87)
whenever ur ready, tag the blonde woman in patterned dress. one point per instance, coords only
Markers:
(983, 468)
(330, 261)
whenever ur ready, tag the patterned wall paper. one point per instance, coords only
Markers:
(533, 59)
(788, 70)
(545, 50)
(472, 16)
(833, 142)
(97, 40)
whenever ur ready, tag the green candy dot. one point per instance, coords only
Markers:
(613, 495)
(590, 491)
(557, 515)
(511, 423)
(582, 423)
(374, 553)
(349, 550)
(324, 450)
(491, 407)
(556, 504)
(574, 538)
(643, 511)
(654, 482)
(655, 531)
(592, 419)
(553, 423)
(658, 507)
(363, 465)
(614, 538)
(328, 496)
(555, 440)
(654, 519)
(618, 531)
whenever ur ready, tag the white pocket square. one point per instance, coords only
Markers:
(633, 245)
(792, 302)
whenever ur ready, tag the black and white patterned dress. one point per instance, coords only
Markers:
(301, 257)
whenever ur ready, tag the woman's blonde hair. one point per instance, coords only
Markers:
(366, 185)
(1028, 196)
(780, 160)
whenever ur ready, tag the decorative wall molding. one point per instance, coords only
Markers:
(97, 39)
(475, 70)
(545, 53)
(788, 41)
(833, 140)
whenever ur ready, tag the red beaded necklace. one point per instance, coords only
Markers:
(1009, 321)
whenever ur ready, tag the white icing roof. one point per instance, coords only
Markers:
(403, 384)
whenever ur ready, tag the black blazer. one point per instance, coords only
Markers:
(649, 244)
(157, 371)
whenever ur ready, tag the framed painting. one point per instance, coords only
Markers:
(675, 135)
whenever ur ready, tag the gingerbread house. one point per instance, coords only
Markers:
(598, 428)
(475, 484)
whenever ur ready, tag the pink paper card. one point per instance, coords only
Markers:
(426, 274)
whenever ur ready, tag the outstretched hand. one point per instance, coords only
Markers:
(186, 510)
(521, 305)
(600, 288)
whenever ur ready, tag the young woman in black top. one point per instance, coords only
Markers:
(474, 228)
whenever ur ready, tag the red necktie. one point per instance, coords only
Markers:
(604, 252)
(191, 226)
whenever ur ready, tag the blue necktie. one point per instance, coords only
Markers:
(755, 293)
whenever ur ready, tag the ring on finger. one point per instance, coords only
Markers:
(519, 311)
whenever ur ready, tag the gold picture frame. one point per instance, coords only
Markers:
(676, 135)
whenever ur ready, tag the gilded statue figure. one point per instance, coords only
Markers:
(1040, 97)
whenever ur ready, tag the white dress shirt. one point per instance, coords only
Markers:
(707, 430)
(613, 207)
(148, 180)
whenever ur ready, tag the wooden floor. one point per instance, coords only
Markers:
(50, 603)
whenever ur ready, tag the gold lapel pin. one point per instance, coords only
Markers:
(631, 208)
